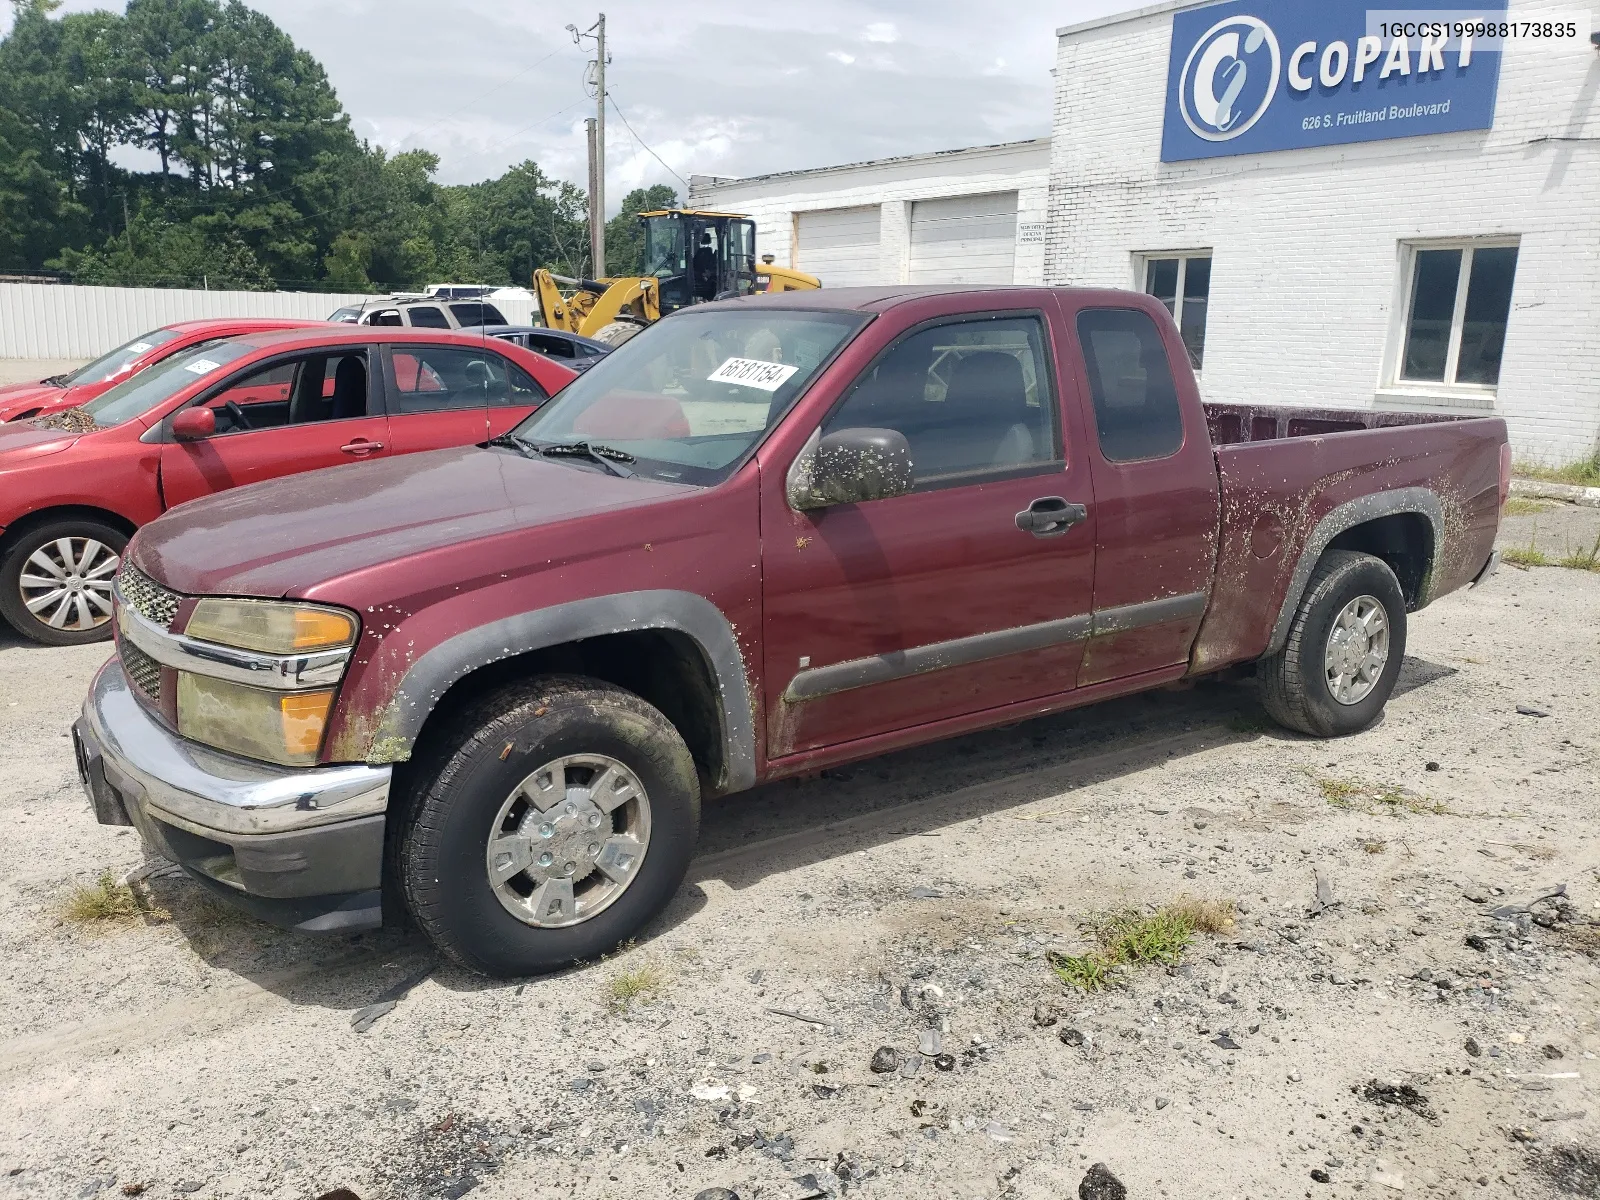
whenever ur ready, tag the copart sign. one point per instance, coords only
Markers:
(1251, 76)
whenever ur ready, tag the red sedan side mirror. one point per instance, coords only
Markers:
(192, 424)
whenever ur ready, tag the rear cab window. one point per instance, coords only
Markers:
(1130, 381)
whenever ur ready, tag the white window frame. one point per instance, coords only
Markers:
(1141, 273)
(1445, 393)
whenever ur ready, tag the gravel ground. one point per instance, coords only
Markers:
(910, 901)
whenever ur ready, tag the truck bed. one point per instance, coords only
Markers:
(1230, 424)
(1421, 490)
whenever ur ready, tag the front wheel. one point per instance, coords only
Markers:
(1337, 669)
(56, 580)
(617, 332)
(558, 818)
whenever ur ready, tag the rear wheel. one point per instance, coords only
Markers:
(555, 820)
(1337, 669)
(55, 581)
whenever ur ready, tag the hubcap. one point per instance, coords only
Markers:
(569, 840)
(1358, 650)
(66, 584)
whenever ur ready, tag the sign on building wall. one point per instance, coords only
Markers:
(1250, 76)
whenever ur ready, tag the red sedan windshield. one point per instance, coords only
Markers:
(136, 396)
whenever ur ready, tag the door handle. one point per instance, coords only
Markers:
(361, 447)
(1050, 516)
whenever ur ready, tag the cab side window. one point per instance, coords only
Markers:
(973, 398)
(425, 316)
(437, 378)
(1130, 380)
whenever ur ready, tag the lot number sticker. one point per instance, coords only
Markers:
(754, 373)
(201, 366)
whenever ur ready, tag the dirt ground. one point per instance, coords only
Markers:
(911, 901)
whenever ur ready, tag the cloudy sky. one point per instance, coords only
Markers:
(714, 89)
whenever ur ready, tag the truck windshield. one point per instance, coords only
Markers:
(138, 395)
(109, 366)
(692, 395)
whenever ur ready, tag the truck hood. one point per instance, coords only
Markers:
(284, 536)
(25, 441)
(30, 398)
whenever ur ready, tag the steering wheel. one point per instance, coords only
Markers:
(236, 415)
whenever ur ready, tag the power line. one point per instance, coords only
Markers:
(642, 142)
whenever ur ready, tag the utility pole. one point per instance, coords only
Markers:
(597, 147)
(600, 149)
(597, 226)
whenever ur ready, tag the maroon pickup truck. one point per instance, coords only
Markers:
(488, 687)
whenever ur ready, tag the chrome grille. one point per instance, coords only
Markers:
(147, 597)
(141, 669)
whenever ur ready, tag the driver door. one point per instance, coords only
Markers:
(295, 414)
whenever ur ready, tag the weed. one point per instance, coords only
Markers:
(108, 900)
(1353, 796)
(1248, 723)
(1340, 793)
(1135, 937)
(1524, 556)
(636, 986)
(1584, 560)
(1521, 506)
(1585, 473)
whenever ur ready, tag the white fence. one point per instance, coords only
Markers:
(60, 321)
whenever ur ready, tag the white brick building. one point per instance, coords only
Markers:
(956, 216)
(1313, 253)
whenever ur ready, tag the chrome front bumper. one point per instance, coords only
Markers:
(296, 836)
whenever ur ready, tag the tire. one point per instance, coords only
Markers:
(617, 332)
(440, 856)
(83, 611)
(1296, 688)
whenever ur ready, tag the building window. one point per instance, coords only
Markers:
(1188, 276)
(1459, 298)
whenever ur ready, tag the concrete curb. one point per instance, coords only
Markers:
(1588, 497)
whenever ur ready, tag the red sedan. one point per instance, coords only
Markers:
(75, 484)
(22, 401)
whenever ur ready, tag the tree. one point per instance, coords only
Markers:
(624, 234)
(33, 201)
(258, 176)
(157, 253)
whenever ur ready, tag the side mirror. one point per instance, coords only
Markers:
(193, 424)
(850, 466)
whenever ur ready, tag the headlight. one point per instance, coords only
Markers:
(271, 626)
(279, 727)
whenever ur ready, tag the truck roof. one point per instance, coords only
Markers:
(877, 299)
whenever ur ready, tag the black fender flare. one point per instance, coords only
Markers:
(1418, 500)
(432, 675)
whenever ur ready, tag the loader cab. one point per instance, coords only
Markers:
(698, 256)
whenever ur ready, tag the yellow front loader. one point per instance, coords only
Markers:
(691, 256)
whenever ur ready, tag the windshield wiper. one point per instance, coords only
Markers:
(526, 449)
(608, 457)
(58, 380)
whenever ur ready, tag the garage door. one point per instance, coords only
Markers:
(840, 246)
(964, 239)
